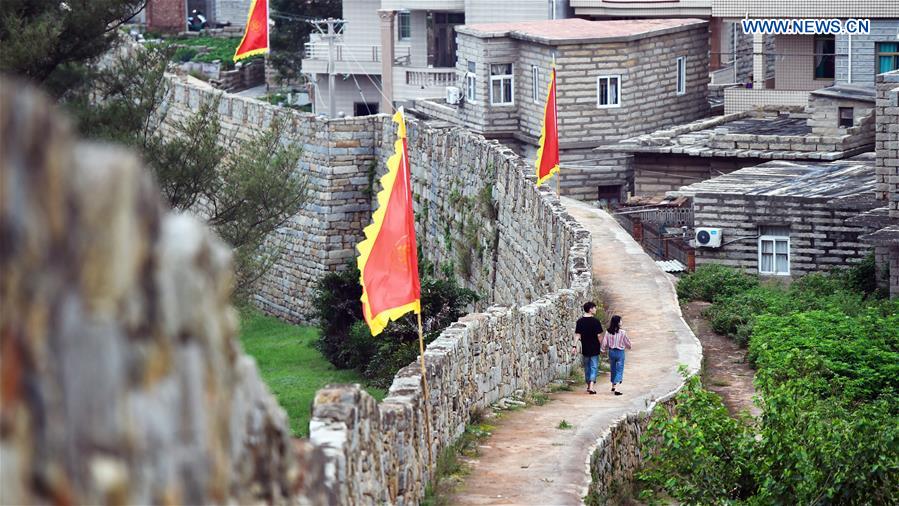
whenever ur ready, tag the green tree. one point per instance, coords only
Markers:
(245, 190)
(47, 41)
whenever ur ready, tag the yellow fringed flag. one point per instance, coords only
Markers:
(255, 35)
(548, 152)
(388, 257)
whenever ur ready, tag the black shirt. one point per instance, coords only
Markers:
(589, 328)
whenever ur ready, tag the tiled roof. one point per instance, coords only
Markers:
(852, 177)
(580, 31)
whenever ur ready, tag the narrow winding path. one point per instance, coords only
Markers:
(530, 461)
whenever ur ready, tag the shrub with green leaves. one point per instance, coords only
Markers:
(346, 340)
(698, 453)
(710, 282)
(827, 359)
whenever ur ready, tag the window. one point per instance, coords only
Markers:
(681, 75)
(847, 117)
(501, 84)
(470, 82)
(535, 83)
(825, 47)
(774, 251)
(608, 91)
(608, 195)
(365, 108)
(404, 26)
(887, 56)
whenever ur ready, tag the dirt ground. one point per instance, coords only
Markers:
(725, 370)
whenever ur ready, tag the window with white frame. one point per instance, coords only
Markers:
(608, 91)
(404, 26)
(535, 83)
(774, 251)
(502, 83)
(471, 82)
(681, 75)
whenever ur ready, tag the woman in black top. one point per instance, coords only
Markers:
(587, 331)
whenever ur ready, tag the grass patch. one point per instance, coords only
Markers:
(564, 425)
(291, 366)
(451, 469)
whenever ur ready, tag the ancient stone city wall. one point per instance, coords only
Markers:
(123, 382)
(469, 214)
(477, 208)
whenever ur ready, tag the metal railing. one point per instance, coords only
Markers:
(350, 52)
(431, 78)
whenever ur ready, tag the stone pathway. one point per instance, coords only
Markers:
(725, 370)
(530, 461)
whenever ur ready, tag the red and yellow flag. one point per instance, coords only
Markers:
(388, 257)
(255, 35)
(548, 152)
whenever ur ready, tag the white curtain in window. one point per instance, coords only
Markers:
(767, 256)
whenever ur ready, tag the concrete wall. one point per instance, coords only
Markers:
(489, 11)
(864, 66)
(819, 239)
(795, 64)
(232, 11)
(346, 92)
(123, 380)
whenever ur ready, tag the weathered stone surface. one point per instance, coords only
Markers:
(122, 379)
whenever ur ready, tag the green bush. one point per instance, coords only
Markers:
(711, 282)
(698, 453)
(345, 338)
(827, 362)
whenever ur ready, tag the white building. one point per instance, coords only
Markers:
(424, 40)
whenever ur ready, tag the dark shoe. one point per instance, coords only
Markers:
(616, 392)
(591, 392)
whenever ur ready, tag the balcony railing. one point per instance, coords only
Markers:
(431, 78)
(361, 53)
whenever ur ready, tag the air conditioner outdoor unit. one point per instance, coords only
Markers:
(453, 95)
(708, 237)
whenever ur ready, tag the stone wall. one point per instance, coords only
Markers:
(887, 147)
(819, 238)
(825, 115)
(526, 252)
(656, 174)
(123, 382)
(232, 11)
(478, 360)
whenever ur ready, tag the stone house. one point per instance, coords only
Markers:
(806, 62)
(786, 218)
(401, 50)
(837, 123)
(615, 79)
(884, 221)
(171, 15)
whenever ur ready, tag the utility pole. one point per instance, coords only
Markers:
(330, 29)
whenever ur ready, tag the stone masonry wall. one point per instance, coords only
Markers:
(338, 162)
(887, 145)
(819, 239)
(478, 360)
(460, 213)
(166, 15)
(123, 381)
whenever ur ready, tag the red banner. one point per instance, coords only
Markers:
(388, 257)
(548, 152)
(255, 36)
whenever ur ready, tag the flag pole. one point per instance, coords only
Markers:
(427, 396)
(556, 119)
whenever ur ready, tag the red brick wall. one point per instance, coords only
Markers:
(167, 15)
